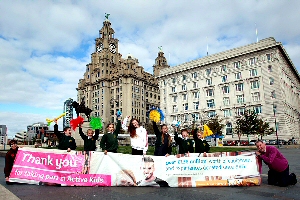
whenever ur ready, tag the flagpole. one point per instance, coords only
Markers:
(256, 33)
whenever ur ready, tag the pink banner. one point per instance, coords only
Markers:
(66, 169)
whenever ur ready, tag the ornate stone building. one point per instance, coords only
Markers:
(258, 76)
(113, 83)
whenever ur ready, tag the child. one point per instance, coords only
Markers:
(10, 159)
(89, 139)
(109, 141)
(201, 145)
(185, 144)
(66, 141)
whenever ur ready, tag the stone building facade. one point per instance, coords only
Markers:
(258, 76)
(111, 83)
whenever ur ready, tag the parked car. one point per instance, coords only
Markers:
(252, 142)
(230, 143)
(291, 141)
(272, 142)
(244, 143)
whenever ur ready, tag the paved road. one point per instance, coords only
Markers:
(263, 192)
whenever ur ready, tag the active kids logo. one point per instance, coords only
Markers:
(211, 165)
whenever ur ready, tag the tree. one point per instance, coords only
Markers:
(264, 128)
(248, 123)
(215, 125)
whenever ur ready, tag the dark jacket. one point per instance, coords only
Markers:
(89, 144)
(9, 161)
(185, 146)
(65, 142)
(201, 146)
(161, 147)
(109, 141)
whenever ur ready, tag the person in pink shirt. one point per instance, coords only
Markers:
(278, 173)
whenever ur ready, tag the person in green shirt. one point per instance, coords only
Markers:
(185, 144)
(89, 139)
(66, 141)
(109, 141)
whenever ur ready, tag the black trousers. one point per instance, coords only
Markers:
(137, 152)
(281, 179)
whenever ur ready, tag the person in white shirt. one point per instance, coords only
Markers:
(138, 136)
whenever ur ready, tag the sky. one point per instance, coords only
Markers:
(45, 45)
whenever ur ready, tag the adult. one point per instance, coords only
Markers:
(10, 159)
(278, 173)
(163, 142)
(148, 171)
(138, 137)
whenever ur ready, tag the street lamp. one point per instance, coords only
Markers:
(274, 111)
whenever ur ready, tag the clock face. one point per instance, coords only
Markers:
(99, 47)
(112, 48)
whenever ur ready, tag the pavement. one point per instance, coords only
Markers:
(262, 192)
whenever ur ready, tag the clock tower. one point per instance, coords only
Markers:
(160, 63)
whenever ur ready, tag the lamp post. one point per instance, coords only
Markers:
(274, 111)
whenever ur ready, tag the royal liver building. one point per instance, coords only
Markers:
(258, 76)
(111, 83)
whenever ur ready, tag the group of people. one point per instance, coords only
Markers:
(278, 165)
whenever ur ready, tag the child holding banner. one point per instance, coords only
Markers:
(109, 141)
(10, 159)
(138, 137)
(185, 144)
(66, 141)
(89, 139)
(201, 145)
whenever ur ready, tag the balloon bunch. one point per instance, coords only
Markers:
(119, 113)
(176, 124)
(75, 122)
(156, 115)
(206, 131)
(96, 123)
(49, 121)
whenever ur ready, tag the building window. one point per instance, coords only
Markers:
(269, 56)
(229, 128)
(185, 106)
(194, 75)
(225, 89)
(195, 85)
(238, 76)
(183, 77)
(271, 81)
(184, 97)
(196, 105)
(209, 92)
(257, 109)
(227, 113)
(240, 111)
(173, 80)
(254, 84)
(196, 95)
(240, 99)
(175, 109)
(210, 103)
(211, 114)
(252, 61)
(224, 78)
(273, 94)
(239, 87)
(270, 68)
(208, 81)
(253, 72)
(175, 99)
(183, 87)
(223, 68)
(255, 96)
(208, 71)
(173, 89)
(226, 101)
(237, 65)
